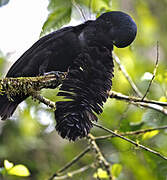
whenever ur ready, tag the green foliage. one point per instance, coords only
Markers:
(59, 14)
(115, 171)
(14, 170)
(149, 135)
(101, 5)
(102, 174)
(152, 118)
(30, 139)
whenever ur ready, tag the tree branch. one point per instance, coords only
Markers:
(29, 85)
(77, 6)
(130, 141)
(100, 158)
(76, 158)
(125, 73)
(71, 174)
(120, 96)
(36, 95)
(154, 72)
(151, 104)
(142, 131)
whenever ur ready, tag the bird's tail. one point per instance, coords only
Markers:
(7, 107)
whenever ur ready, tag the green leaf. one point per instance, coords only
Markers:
(125, 126)
(100, 174)
(19, 170)
(95, 5)
(152, 118)
(149, 135)
(56, 4)
(163, 99)
(83, 2)
(98, 6)
(116, 170)
(8, 165)
(60, 14)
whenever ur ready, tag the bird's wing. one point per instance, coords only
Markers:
(42, 44)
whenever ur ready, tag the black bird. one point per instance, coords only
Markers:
(58, 50)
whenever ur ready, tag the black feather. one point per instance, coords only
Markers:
(86, 88)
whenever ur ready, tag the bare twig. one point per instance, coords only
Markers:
(77, 6)
(154, 72)
(71, 174)
(130, 141)
(156, 105)
(151, 106)
(120, 96)
(69, 164)
(37, 96)
(142, 131)
(125, 73)
(100, 158)
(76, 158)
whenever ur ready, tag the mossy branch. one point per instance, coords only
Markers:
(29, 85)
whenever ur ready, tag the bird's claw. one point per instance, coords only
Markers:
(56, 73)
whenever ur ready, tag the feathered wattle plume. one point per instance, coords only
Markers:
(86, 89)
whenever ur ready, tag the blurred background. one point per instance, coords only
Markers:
(29, 137)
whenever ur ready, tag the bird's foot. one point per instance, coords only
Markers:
(58, 74)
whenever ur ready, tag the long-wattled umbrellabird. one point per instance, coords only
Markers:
(60, 50)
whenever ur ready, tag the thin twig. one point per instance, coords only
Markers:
(142, 131)
(120, 96)
(76, 158)
(130, 141)
(37, 96)
(69, 164)
(151, 106)
(125, 73)
(154, 72)
(156, 105)
(77, 6)
(100, 158)
(71, 174)
(90, 8)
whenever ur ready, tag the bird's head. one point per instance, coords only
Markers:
(119, 28)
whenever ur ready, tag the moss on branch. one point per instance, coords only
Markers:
(28, 85)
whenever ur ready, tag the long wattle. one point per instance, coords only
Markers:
(85, 90)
